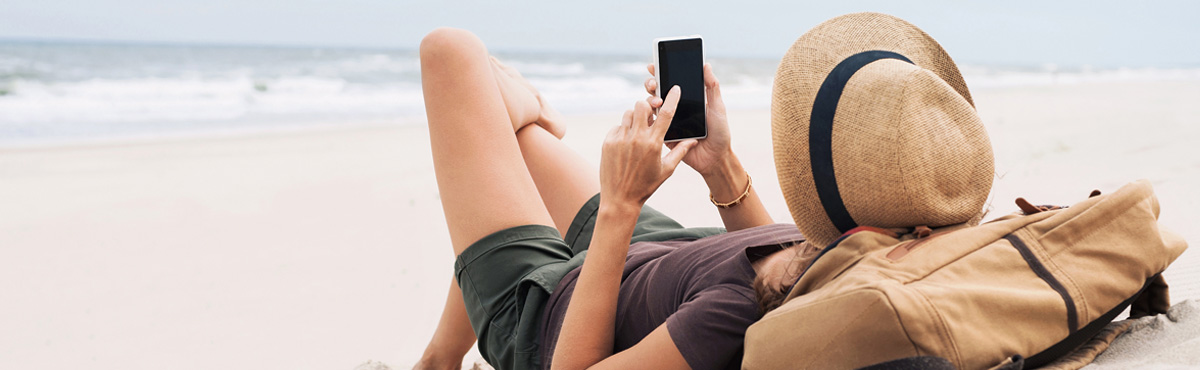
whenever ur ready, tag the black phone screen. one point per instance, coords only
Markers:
(682, 63)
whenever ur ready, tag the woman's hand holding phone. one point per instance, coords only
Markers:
(707, 157)
(713, 158)
(632, 165)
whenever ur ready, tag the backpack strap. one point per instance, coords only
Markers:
(938, 363)
(913, 363)
(1153, 301)
(1081, 336)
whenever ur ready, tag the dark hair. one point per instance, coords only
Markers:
(771, 297)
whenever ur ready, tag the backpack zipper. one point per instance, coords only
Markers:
(905, 248)
(1041, 271)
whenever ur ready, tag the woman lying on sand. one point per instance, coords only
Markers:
(867, 92)
(523, 211)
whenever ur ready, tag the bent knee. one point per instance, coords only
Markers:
(450, 43)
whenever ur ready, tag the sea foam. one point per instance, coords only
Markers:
(72, 91)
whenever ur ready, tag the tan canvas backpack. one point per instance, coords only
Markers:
(1034, 285)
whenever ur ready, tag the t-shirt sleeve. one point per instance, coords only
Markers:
(710, 328)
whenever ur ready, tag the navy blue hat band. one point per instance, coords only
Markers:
(820, 134)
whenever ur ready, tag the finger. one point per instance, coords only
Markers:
(650, 67)
(667, 112)
(651, 86)
(654, 101)
(641, 116)
(712, 88)
(627, 119)
(614, 135)
(672, 159)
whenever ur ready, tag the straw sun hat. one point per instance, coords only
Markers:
(873, 126)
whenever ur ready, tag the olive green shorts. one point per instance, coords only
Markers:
(507, 277)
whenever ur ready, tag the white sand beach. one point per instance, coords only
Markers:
(326, 248)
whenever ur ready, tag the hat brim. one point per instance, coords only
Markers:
(799, 77)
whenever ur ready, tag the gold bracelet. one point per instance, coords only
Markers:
(749, 182)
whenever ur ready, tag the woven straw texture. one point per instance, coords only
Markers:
(908, 147)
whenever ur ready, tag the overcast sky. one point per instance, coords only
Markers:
(1099, 33)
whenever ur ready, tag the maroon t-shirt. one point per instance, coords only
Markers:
(702, 289)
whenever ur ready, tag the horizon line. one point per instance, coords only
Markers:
(505, 50)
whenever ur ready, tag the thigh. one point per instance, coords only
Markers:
(564, 179)
(482, 179)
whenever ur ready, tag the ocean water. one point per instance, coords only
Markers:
(63, 92)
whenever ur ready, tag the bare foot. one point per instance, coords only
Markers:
(525, 103)
(550, 119)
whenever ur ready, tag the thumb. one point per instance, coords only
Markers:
(676, 154)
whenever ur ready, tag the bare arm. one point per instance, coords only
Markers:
(727, 182)
(632, 167)
(655, 351)
(586, 337)
(713, 158)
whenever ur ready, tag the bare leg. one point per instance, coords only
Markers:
(564, 179)
(484, 183)
(557, 175)
(454, 335)
(525, 104)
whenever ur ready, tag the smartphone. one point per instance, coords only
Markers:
(680, 61)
